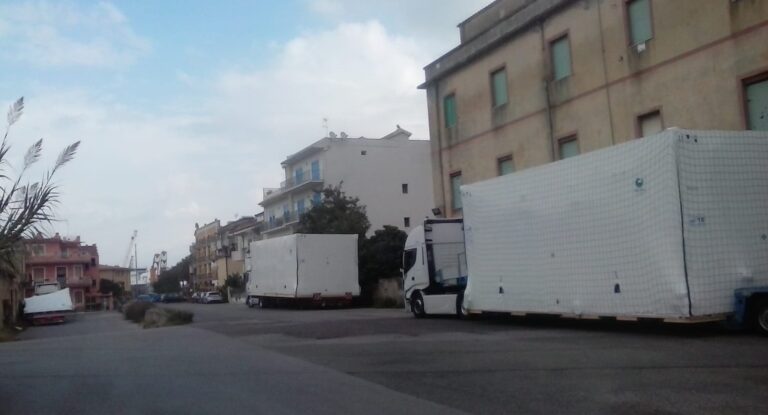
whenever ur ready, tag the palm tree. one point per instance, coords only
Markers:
(25, 206)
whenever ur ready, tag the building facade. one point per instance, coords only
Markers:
(233, 245)
(119, 275)
(66, 261)
(534, 81)
(203, 253)
(391, 176)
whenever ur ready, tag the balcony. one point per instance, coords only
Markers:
(294, 183)
(287, 219)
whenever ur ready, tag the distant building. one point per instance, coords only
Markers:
(232, 246)
(391, 176)
(203, 253)
(68, 262)
(534, 81)
(119, 275)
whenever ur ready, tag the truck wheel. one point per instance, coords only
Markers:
(249, 302)
(417, 305)
(761, 317)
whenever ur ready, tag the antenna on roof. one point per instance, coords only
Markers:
(325, 125)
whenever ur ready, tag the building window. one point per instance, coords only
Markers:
(449, 108)
(407, 222)
(499, 87)
(38, 250)
(456, 191)
(77, 270)
(300, 206)
(650, 124)
(568, 147)
(298, 176)
(64, 252)
(78, 297)
(405, 188)
(316, 198)
(561, 58)
(639, 15)
(38, 274)
(315, 170)
(506, 165)
(756, 95)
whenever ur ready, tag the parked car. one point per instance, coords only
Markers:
(212, 297)
(148, 298)
(171, 298)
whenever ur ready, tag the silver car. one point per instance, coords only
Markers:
(211, 297)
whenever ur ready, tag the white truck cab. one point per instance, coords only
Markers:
(435, 268)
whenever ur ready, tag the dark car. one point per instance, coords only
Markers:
(171, 298)
(148, 298)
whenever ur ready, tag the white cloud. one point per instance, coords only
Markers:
(61, 35)
(326, 7)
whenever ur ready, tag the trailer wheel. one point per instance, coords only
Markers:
(249, 302)
(417, 305)
(761, 317)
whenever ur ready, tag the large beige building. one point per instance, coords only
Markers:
(534, 81)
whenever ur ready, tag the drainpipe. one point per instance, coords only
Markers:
(605, 71)
(550, 121)
(440, 147)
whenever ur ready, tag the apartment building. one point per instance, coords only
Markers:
(390, 175)
(118, 275)
(66, 261)
(203, 253)
(232, 247)
(534, 81)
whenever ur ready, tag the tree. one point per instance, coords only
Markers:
(380, 257)
(170, 280)
(25, 206)
(166, 284)
(235, 282)
(336, 213)
(110, 287)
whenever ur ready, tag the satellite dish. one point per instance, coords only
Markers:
(332, 134)
(344, 135)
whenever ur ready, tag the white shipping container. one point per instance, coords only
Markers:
(304, 266)
(667, 226)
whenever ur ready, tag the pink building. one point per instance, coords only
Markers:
(68, 262)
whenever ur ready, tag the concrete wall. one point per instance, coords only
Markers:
(691, 71)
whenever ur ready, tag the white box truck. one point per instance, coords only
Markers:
(303, 268)
(671, 227)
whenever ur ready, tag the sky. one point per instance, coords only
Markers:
(186, 109)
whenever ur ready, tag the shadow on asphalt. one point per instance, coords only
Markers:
(652, 328)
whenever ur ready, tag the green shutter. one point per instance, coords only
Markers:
(569, 149)
(561, 58)
(456, 192)
(449, 106)
(506, 166)
(499, 83)
(640, 21)
(757, 106)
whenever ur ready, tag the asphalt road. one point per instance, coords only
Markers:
(379, 361)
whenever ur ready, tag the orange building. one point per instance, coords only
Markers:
(68, 262)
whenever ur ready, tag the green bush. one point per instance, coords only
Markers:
(136, 310)
(177, 317)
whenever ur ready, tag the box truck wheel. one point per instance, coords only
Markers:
(250, 302)
(417, 305)
(761, 314)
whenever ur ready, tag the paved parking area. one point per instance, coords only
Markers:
(507, 365)
(233, 358)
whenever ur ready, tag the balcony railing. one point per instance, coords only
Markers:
(286, 219)
(292, 183)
